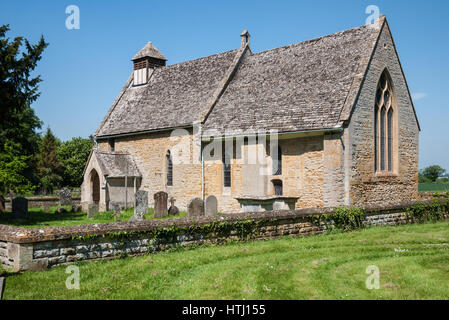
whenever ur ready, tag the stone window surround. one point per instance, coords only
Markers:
(393, 172)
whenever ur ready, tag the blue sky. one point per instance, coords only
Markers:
(83, 70)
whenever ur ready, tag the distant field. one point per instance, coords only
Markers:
(422, 187)
(412, 261)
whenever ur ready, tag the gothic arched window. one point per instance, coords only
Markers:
(169, 169)
(384, 137)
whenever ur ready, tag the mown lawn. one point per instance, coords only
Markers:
(424, 187)
(39, 218)
(413, 261)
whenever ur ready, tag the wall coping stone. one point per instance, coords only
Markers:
(31, 235)
(44, 198)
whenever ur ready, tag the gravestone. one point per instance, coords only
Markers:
(20, 208)
(173, 210)
(92, 210)
(211, 205)
(141, 201)
(117, 210)
(2, 286)
(65, 197)
(2, 204)
(196, 208)
(160, 204)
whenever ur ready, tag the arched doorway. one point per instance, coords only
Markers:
(95, 186)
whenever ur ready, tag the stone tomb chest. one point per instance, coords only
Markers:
(266, 203)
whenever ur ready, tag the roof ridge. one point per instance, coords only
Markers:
(196, 59)
(311, 40)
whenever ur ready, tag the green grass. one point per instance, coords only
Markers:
(413, 261)
(39, 218)
(423, 187)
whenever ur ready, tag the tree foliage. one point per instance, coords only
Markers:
(432, 172)
(49, 167)
(73, 155)
(18, 122)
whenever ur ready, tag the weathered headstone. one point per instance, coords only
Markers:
(173, 210)
(117, 210)
(141, 198)
(92, 210)
(20, 208)
(2, 204)
(196, 208)
(65, 197)
(211, 205)
(160, 204)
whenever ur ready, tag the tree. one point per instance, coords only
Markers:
(73, 155)
(18, 122)
(432, 172)
(49, 167)
(12, 172)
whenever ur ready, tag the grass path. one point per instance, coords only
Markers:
(413, 261)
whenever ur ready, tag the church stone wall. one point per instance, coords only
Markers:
(365, 186)
(149, 152)
(302, 174)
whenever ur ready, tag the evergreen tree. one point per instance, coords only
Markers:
(49, 167)
(18, 122)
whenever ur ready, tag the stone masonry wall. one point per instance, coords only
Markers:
(365, 186)
(35, 249)
(150, 151)
(41, 202)
(302, 174)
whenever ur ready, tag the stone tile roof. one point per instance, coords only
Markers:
(303, 86)
(116, 165)
(175, 96)
(298, 87)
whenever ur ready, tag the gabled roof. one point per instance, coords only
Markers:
(311, 85)
(115, 165)
(174, 97)
(149, 51)
(298, 87)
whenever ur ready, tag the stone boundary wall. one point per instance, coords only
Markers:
(40, 248)
(42, 201)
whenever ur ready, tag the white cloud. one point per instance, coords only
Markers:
(419, 95)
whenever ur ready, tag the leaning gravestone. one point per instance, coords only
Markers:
(211, 205)
(92, 210)
(196, 208)
(20, 208)
(65, 197)
(160, 204)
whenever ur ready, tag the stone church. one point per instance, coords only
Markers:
(320, 123)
